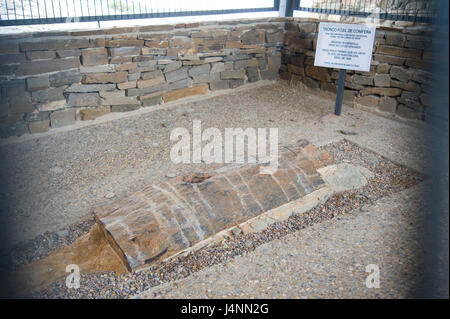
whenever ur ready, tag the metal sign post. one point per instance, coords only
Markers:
(340, 92)
(344, 47)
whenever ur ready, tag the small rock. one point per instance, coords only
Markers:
(236, 231)
(110, 195)
(62, 233)
(171, 175)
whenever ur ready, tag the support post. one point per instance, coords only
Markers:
(340, 92)
(286, 8)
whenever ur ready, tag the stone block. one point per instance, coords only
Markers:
(400, 52)
(39, 126)
(299, 44)
(107, 68)
(307, 27)
(124, 100)
(97, 56)
(318, 73)
(127, 85)
(253, 74)
(269, 75)
(62, 118)
(84, 88)
(392, 60)
(253, 37)
(124, 51)
(19, 100)
(273, 63)
(65, 78)
(232, 74)
(406, 112)
(387, 104)
(48, 95)
(40, 55)
(422, 77)
(233, 44)
(201, 78)
(363, 80)
(117, 43)
(127, 66)
(55, 44)
(117, 77)
(184, 83)
(151, 75)
(157, 43)
(217, 67)
(176, 75)
(154, 51)
(395, 39)
(158, 81)
(40, 83)
(68, 53)
(92, 113)
(151, 99)
(12, 58)
(219, 85)
(144, 91)
(383, 80)
(84, 99)
(381, 91)
(200, 70)
(125, 108)
(296, 69)
(45, 66)
(182, 93)
(369, 100)
(383, 68)
(400, 73)
(52, 106)
(173, 66)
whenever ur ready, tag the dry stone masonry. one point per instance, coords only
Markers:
(169, 216)
(52, 79)
(399, 80)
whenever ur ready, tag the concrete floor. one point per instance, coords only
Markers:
(54, 179)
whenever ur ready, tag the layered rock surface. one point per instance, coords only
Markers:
(171, 215)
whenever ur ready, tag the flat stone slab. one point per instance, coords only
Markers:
(171, 215)
(344, 176)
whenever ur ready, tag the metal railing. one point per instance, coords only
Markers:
(22, 12)
(403, 10)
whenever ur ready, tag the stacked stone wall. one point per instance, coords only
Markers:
(399, 81)
(51, 79)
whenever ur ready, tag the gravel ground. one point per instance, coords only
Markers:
(64, 175)
(389, 179)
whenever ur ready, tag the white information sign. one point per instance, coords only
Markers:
(345, 46)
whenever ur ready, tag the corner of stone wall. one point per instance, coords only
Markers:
(398, 83)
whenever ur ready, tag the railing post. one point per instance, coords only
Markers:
(286, 8)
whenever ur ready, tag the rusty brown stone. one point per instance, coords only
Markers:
(181, 93)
